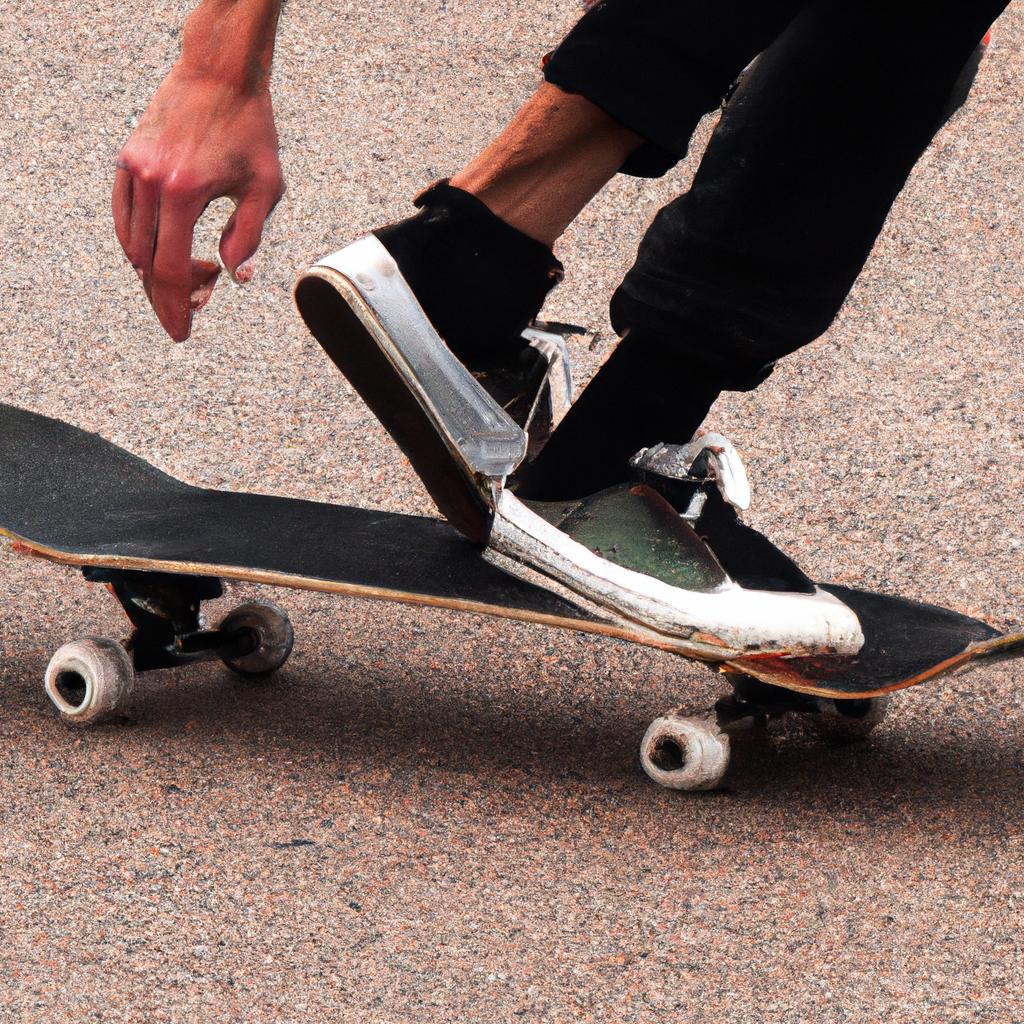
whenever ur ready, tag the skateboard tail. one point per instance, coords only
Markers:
(823, 676)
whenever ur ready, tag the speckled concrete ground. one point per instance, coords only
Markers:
(437, 818)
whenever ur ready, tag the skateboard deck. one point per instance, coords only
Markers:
(74, 498)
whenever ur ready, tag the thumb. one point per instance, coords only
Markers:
(241, 236)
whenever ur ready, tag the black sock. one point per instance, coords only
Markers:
(479, 280)
(640, 396)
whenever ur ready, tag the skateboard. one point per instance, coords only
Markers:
(163, 547)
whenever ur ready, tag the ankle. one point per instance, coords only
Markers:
(479, 280)
(557, 153)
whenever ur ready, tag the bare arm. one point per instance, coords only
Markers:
(208, 132)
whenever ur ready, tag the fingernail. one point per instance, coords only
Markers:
(243, 275)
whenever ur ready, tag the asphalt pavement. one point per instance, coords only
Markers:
(434, 817)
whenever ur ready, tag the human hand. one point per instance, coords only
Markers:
(201, 138)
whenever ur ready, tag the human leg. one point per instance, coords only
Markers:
(480, 279)
(478, 255)
(654, 67)
(555, 155)
(374, 308)
(757, 258)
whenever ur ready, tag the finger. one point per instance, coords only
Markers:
(204, 279)
(142, 235)
(121, 204)
(170, 289)
(243, 232)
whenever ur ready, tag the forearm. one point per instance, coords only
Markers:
(231, 41)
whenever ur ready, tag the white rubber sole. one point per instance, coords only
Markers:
(718, 625)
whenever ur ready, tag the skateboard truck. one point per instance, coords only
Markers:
(692, 752)
(89, 679)
(164, 608)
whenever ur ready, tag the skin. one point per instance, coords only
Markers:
(555, 155)
(208, 132)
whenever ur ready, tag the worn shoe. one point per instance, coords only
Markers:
(669, 552)
(426, 318)
(635, 550)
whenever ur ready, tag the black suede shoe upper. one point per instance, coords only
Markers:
(479, 280)
(644, 393)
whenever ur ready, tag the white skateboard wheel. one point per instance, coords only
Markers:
(685, 753)
(274, 637)
(88, 680)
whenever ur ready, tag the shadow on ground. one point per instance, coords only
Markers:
(378, 724)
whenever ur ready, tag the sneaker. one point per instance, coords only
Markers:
(668, 552)
(402, 313)
(634, 551)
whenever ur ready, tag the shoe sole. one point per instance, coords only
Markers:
(724, 622)
(460, 442)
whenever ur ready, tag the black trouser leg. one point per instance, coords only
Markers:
(757, 258)
(658, 66)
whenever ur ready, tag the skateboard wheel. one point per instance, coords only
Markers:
(88, 680)
(846, 721)
(685, 753)
(274, 637)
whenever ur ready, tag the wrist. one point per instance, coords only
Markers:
(230, 42)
